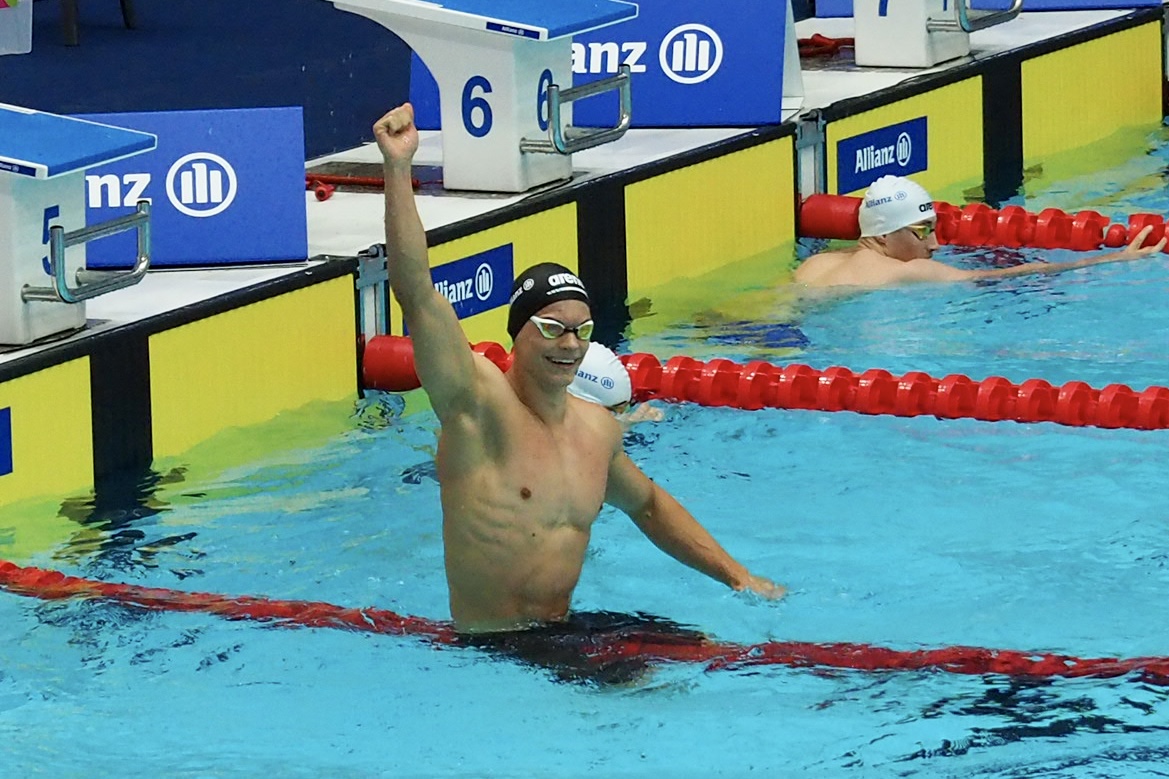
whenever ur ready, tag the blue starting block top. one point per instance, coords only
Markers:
(539, 20)
(42, 146)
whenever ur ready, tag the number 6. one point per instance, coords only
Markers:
(471, 102)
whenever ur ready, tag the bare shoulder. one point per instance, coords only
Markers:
(819, 267)
(490, 400)
(596, 422)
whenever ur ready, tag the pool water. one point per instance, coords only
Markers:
(902, 533)
(907, 533)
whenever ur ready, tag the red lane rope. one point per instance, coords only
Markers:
(388, 364)
(977, 224)
(53, 585)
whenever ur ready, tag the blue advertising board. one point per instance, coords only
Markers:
(835, 8)
(477, 283)
(896, 150)
(226, 188)
(694, 63)
(5, 441)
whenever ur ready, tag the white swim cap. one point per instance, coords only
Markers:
(893, 202)
(601, 378)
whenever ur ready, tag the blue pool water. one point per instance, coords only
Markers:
(905, 533)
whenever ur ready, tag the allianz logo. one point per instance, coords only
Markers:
(872, 156)
(479, 286)
(199, 185)
(605, 382)
(688, 54)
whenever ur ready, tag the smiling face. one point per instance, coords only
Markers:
(552, 362)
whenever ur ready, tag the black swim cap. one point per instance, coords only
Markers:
(539, 286)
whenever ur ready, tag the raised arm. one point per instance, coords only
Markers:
(442, 356)
(675, 531)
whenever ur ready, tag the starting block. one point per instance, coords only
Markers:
(501, 68)
(919, 33)
(43, 278)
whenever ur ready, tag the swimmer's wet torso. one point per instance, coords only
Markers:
(519, 499)
(523, 467)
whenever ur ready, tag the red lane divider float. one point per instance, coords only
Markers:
(388, 364)
(977, 224)
(53, 585)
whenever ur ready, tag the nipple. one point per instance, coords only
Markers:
(525, 493)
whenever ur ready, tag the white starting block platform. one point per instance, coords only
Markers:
(43, 158)
(504, 74)
(44, 146)
(540, 20)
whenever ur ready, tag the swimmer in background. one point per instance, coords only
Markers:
(603, 379)
(523, 467)
(897, 221)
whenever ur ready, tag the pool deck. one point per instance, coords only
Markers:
(669, 218)
(349, 222)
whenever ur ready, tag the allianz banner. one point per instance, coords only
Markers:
(226, 188)
(477, 283)
(895, 150)
(694, 63)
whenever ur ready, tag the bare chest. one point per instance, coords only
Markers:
(537, 478)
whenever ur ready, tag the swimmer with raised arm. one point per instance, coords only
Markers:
(524, 468)
(897, 242)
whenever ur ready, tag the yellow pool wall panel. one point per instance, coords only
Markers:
(954, 121)
(52, 432)
(691, 222)
(1078, 96)
(247, 365)
(546, 236)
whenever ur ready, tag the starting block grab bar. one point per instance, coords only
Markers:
(92, 283)
(969, 20)
(43, 212)
(504, 74)
(566, 139)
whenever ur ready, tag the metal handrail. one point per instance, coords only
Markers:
(92, 283)
(566, 140)
(968, 20)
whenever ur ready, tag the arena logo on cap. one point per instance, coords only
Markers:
(472, 284)
(899, 150)
(557, 280)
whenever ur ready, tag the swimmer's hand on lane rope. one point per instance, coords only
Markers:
(1135, 251)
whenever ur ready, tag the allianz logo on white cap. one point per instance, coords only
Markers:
(688, 54)
(604, 381)
(200, 185)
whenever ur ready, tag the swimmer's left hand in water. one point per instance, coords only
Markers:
(762, 587)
